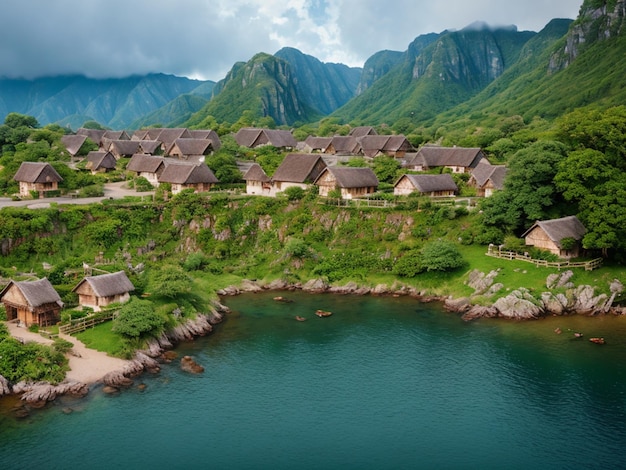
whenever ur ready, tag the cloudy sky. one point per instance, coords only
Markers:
(204, 38)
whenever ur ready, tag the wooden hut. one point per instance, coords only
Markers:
(487, 178)
(198, 177)
(148, 166)
(549, 235)
(352, 182)
(37, 176)
(257, 181)
(252, 137)
(32, 302)
(426, 185)
(297, 169)
(102, 290)
(100, 162)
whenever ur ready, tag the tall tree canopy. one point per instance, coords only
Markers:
(530, 193)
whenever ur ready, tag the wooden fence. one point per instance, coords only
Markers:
(512, 255)
(81, 324)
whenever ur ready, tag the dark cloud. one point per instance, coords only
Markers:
(204, 38)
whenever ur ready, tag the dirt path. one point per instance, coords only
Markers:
(86, 365)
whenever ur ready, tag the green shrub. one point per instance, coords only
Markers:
(142, 184)
(93, 190)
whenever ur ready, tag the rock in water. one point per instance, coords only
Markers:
(189, 365)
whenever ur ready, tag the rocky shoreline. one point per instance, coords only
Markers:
(560, 298)
(35, 395)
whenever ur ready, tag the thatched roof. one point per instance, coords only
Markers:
(95, 135)
(431, 183)
(252, 137)
(186, 173)
(153, 133)
(37, 172)
(188, 146)
(149, 146)
(108, 285)
(207, 134)
(143, 163)
(168, 136)
(374, 144)
(345, 145)
(256, 173)
(96, 160)
(299, 168)
(73, 143)
(123, 147)
(360, 131)
(139, 134)
(485, 172)
(558, 229)
(317, 143)
(347, 177)
(116, 135)
(451, 156)
(36, 293)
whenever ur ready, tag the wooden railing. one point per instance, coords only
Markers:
(81, 324)
(512, 255)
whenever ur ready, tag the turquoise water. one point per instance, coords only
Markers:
(384, 383)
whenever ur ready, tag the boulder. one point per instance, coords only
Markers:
(315, 286)
(585, 301)
(189, 365)
(554, 304)
(480, 281)
(519, 305)
(457, 305)
(5, 387)
(478, 311)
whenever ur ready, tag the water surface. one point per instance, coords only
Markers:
(382, 383)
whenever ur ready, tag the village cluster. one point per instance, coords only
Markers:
(176, 156)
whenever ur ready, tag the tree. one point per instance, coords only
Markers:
(529, 189)
(137, 318)
(386, 169)
(169, 280)
(224, 167)
(441, 255)
(15, 120)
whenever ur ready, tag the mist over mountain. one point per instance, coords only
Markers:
(440, 78)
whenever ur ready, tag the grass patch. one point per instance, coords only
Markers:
(102, 339)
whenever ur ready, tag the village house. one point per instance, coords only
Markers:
(207, 134)
(32, 302)
(115, 135)
(456, 159)
(39, 177)
(100, 162)
(361, 131)
(487, 178)
(296, 169)
(121, 148)
(343, 145)
(102, 290)
(168, 136)
(148, 166)
(257, 181)
(550, 235)
(427, 185)
(391, 145)
(181, 176)
(313, 144)
(252, 137)
(190, 149)
(352, 182)
(73, 143)
(95, 135)
(151, 147)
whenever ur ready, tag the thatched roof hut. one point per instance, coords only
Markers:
(31, 302)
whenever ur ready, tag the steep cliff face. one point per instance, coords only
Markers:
(598, 20)
(377, 66)
(265, 86)
(323, 86)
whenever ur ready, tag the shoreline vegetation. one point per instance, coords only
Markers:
(89, 368)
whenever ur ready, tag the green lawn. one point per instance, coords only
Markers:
(101, 338)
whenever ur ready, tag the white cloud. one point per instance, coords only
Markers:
(104, 38)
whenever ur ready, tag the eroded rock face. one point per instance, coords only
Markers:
(39, 393)
(5, 388)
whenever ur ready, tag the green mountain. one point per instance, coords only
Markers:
(72, 100)
(265, 86)
(437, 73)
(173, 114)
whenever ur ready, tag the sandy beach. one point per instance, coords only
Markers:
(86, 365)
